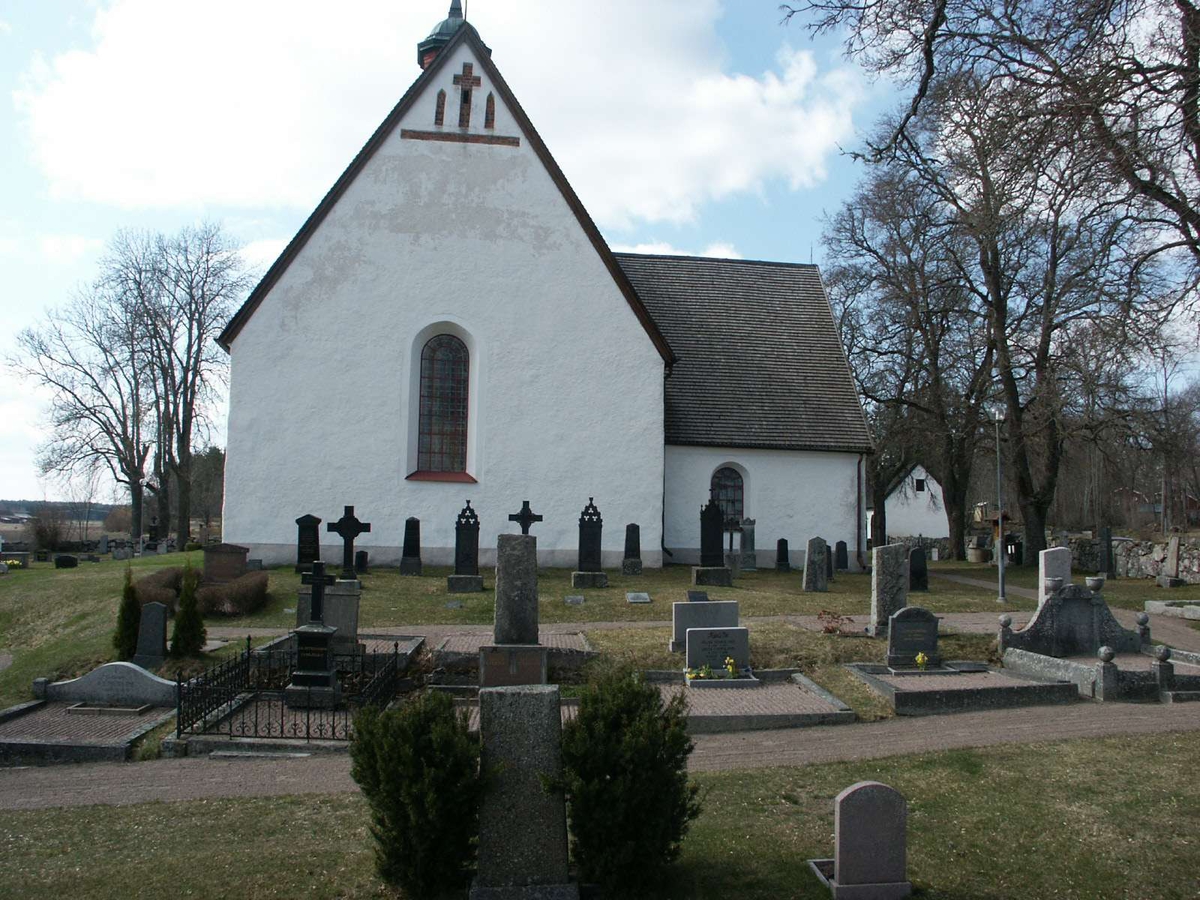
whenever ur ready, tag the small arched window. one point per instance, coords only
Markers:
(726, 489)
(439, 114)
(489, 112)
(442, 427)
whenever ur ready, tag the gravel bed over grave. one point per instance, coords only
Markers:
(49, 733)
(781, 704)
(470, 643)
(973, 689)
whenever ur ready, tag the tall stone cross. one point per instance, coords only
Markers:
(319, 581)
(465, 82)
(348, 528)
(525, 517)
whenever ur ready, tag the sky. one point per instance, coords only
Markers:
(690, 126)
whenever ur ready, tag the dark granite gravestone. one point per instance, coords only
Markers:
(590, 573)
(912, 630)
(816, 565)
(782, 563)
(828, 563)
(410, 557)
(466, 578)
(152, 531)
(711, 524)
(631, 563)
(152, 636)
(918, 572)
(102, 544)
(308, 541)
(314, 683)
(841, 560)
(1108, 566)
(41, 556)
(749, 554)
(697, 596)
(348, 528)
(63, 561)
(525, 518)
(362, 562)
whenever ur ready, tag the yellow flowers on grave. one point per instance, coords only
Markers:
(12, 563)
(730, 667)
(922, 660)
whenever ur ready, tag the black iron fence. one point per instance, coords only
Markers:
(245, 697)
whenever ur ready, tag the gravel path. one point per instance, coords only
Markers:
(202, 778)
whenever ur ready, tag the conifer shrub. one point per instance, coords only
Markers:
(129, 617)
(418, 767)
(625, 779)
(188, 635)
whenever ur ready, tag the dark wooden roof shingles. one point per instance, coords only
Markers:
(759, 360)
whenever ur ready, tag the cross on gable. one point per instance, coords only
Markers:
(319, 581)
(468, 79)
(525, 517)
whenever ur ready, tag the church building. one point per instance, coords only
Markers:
(450, 325)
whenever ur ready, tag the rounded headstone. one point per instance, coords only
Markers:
(1107, 654)
(1162, 652)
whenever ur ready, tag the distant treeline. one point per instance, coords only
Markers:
(67, 509)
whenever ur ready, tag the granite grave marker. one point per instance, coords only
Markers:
(410, 556)
(308, 541)
(466, 578)
(631, 563)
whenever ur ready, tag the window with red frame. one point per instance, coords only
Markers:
(442, 428)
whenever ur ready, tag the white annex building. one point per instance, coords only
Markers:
(449, 324)
(915, 508)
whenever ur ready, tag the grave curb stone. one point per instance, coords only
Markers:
(464, 584)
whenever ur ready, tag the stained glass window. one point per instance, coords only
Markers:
(445, 366)
(727, 490)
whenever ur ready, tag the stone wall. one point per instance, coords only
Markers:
(927, 544)
(1135, 559)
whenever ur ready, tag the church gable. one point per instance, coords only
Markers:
(460, 99)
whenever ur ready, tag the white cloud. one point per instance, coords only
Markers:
(260, 254)
(67, 248)
(263, 104)
(5, 28)
(717, 250)
(8, 246)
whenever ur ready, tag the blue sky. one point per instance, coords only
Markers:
(692, 125)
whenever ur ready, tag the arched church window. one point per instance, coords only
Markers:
(727, 491)
(489, 112)
(442, 427)
(439, 114)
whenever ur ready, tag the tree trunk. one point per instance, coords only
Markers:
(956, 516)
(879, 519)
(1035, 531)
(135, 509)
(183, 495)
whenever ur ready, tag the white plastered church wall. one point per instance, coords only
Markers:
(567, 386)
(792, 494)
(912, 513)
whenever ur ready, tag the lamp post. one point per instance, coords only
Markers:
(998, 414)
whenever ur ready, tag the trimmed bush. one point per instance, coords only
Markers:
(625, 779)
(160, 587)
(192, 545)
(418, 767)
(129, 617)
(188, 635)
(240, 597)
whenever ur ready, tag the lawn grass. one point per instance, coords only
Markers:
(1072, 819)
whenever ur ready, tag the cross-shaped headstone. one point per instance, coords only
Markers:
(525, 517)
(348, 528)
(319, 580)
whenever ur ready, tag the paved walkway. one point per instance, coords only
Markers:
(203, 778)
(1027, 593)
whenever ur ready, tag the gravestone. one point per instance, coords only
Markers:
(516, 590)
(918, 571)
(308, 542)
(1053, 563)
(410, 556)
(348, 527)
(631, 563)
(122, 553)
(41, 555)
(224, 562)
(870, 822)
(575, 600)
(520, 729)
(815, 562)
(712, 570)
(841, 560)
(828, 562)
(150, 548)
(362, 562)
(697, 596)
(205, 533)
(102, 545)
(912, 630)
(1072, 621)
(340, 609)
(782, 563)
(1169, 575)
(63, 561)
(590, 573)
(3, 568)
(152, 636)
(637, 597)
(710, 614)
(466, 578)
(1107, 565)
(152, 530)
(749, 554)
(711, 646)
(889, 585)
(314, 683)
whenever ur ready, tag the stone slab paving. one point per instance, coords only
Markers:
(198, 778)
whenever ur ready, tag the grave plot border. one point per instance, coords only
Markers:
(15, 751)
(1038, 691)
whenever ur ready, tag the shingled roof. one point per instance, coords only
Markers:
(759, 361)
